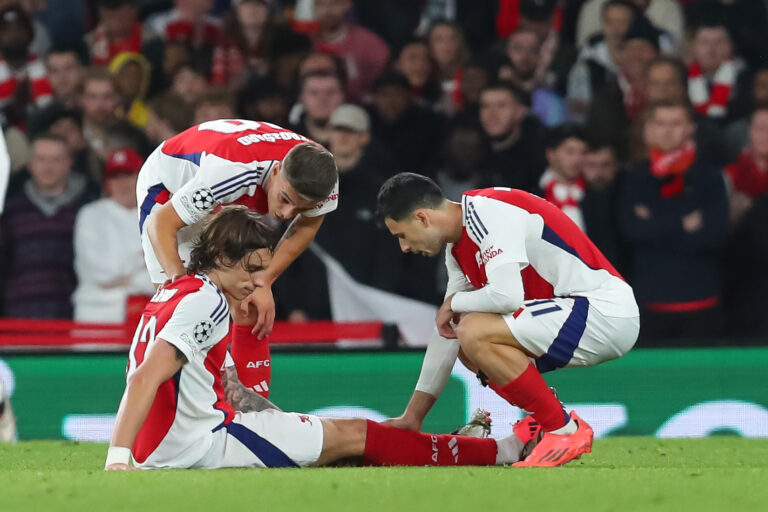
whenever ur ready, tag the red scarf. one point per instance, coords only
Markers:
(747, 177)
(712, 101)
(670, 167)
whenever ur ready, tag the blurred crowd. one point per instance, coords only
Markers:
(646, 121)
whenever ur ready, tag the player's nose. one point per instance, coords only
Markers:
(404, 247)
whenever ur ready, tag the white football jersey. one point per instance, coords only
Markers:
(503, 226)
(192, 315)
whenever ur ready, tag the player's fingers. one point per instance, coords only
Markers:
(259, 325)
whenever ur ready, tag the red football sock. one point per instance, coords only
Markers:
(251, 356)
(389, 446)
(530, 392)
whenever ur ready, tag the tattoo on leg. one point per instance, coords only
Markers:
(241, 398)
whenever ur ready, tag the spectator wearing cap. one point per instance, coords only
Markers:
(665, 14)
(517, 138)
(409, 132)
(65, 66)
(562, 183)
(674, 216)
(37, 228)
(108, 256)
(353, 231)
(714, 73)
(321, 93)
(118, 31)
(623, 98)
(524, 54)
(23, 78)
(364, 53)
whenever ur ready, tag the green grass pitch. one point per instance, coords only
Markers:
(622, 474)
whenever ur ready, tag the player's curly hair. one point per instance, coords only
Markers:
(227, 237)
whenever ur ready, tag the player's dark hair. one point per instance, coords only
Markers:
(311, 170)
(559, 134)
(405, 192)
(227, 237)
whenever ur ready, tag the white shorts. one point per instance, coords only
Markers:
(566, 332)
(265, 439)
(186, 238)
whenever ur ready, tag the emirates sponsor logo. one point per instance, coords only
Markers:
(483, 257)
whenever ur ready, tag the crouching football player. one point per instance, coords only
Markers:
(524, 283)
(173, 413)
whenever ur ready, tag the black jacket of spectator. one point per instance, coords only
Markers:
(600, 209)
(411, 140)
(521, 164)
(671, 265)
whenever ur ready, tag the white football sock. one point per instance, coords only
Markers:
(508, 450)
(569, 428)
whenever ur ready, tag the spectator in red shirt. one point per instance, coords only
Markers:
(448, 49)
(364, 53)
(118, 31)
(748, 176)
(23, 80)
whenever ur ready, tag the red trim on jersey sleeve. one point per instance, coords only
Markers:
(568, 236)
(159, 420)
(213, 363)
(464, 252)
(535, 286)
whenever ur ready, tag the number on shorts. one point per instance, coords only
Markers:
(542, 307)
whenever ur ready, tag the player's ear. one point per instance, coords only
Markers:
(277, 168)
(422, 217)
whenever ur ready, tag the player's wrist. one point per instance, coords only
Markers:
(118, 455)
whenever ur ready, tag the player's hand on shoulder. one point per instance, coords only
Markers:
(119, 466)
(443, 319)
(261, 299)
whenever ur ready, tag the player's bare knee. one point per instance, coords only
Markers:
(342, 438)
(471, 334)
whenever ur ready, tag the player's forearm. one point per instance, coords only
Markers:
(418, 407)
(295, 241)
(163, 234)
(503, 294)
(134, 408)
